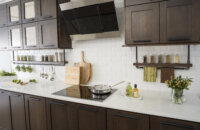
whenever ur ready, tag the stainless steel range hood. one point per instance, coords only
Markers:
(90, 19)
(4, 1)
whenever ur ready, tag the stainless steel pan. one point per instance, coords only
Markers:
(102, 89)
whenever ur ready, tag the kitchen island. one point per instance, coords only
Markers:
(155, 110)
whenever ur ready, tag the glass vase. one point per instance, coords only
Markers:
(177, 96)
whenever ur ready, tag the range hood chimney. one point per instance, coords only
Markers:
(89, 17)
(4, 1)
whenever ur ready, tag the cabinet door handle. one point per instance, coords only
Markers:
(29, 20)
(178, 39)
(58, 103)
(15, 95)
(48, 45)
(177, 125)
(2, 92)
(127, 116)
(34, 99)
(47, 17)
(142, 41)
(88, 109)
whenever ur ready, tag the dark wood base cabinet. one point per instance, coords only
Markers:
(12, 111)
(160, 123)
(27, 112)
(35, 113)
(119, 120)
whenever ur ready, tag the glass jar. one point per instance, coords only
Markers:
(177, 96)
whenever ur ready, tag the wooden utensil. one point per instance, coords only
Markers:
(85, 70)
(72, 75)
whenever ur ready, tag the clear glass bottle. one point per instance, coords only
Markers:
(128, 90)
(135, 91)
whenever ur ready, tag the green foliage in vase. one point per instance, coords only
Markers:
(179, 82)
(29, 69)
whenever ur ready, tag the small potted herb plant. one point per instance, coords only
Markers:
(178, 84)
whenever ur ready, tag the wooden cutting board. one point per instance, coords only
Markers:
(85, 70)
(72, 75)
(166, 74)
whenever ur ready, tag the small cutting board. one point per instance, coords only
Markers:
(72, 75)
(85, 74)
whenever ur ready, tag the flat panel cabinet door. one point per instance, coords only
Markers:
(5, 120)
(159, 123)
(48, 34)
(91, 118)
(29, 10)
(118, 120)
(3, 16)
(142, 24)
(57, 115)
(136, 2)
(179, 21)
(30, 36)
(17, 111)
(47, 9)
(14, 13)
(4, 44)
(15, 37)
(36, 113)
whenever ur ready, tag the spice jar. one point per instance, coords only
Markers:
(160, 59)
(167, 58)
(144, 59)
(176, 58)
(152, 59)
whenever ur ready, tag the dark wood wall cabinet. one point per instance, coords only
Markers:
(33, 24)
(164, 22)
(28, 112)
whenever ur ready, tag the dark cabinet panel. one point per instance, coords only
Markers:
(179, 21)
(3, 16)
(91, 118)
(14, 13)
(17, 111)
(47, 9)
(15, 37)
(136, 2)
(119, 120)
(48, 35)
(5, 115)
(30, 36)
(29, 10)
(35, 113)
(159, 123)
(142, 24)
(4, 44)
(57, 113)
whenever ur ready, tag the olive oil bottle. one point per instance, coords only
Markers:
(128, 90)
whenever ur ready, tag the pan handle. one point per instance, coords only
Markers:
(117, 84)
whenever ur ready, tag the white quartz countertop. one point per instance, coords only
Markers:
(153, 103)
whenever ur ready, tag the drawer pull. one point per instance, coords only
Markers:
(177, 125)
(88, 109)
(47, 17)
(34, 99)
(127, 116)
(57, 103)
(142, 41)
(15, 95)
(178, 39)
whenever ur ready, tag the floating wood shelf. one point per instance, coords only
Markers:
(164, 65)
(160, 44)
(40, 63)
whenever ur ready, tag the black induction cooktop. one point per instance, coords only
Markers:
(82, 92)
